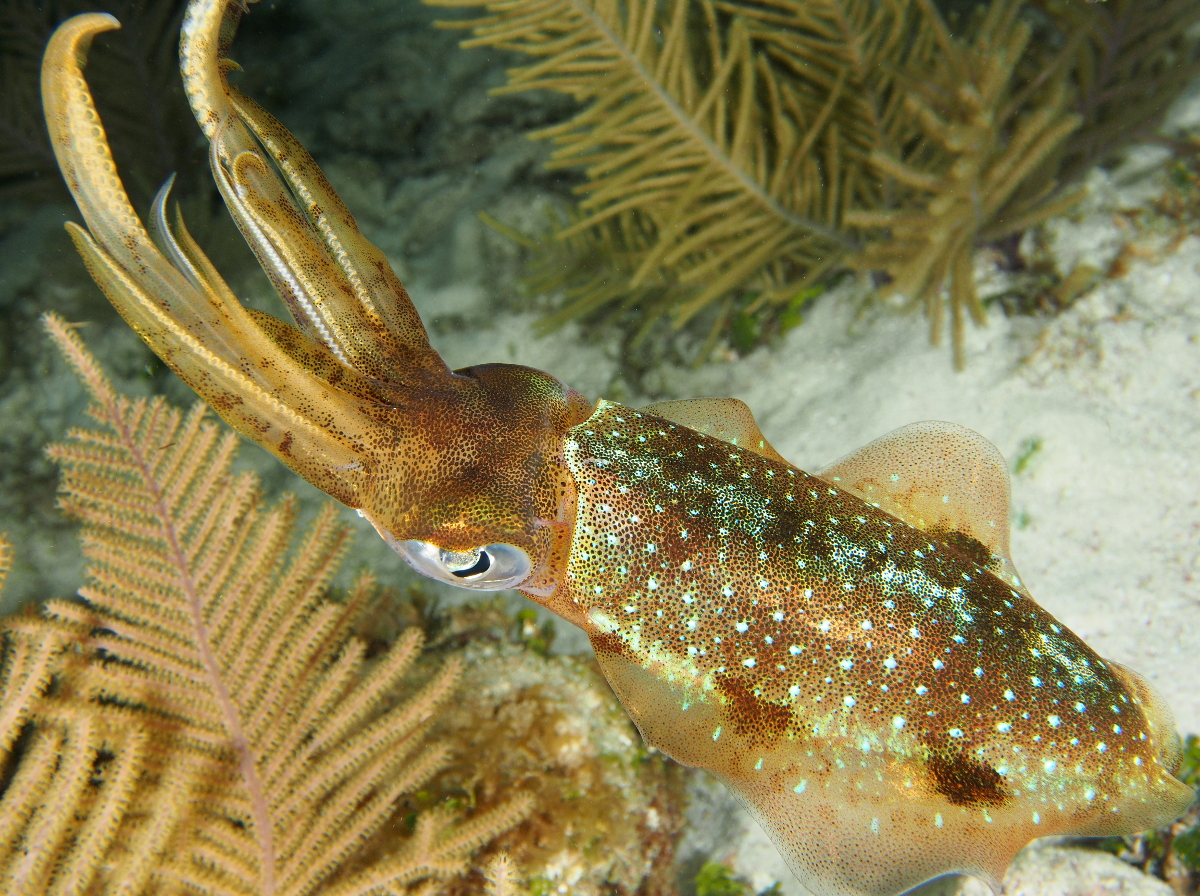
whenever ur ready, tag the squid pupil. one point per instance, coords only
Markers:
(483, 564)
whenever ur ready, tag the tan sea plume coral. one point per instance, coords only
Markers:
(204, 720)
(738, 151)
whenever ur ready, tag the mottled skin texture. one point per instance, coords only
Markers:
(851, 652)
(817, 641)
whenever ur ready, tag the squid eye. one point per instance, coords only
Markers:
(492, 567)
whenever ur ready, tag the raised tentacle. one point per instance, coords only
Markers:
(213, 343)
(382, 298)
(337, 284)
(83, 155)
(461, 461)
(186, 255)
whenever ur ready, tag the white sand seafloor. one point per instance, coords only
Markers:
(1106, 511)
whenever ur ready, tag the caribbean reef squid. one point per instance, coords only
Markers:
(850, 651)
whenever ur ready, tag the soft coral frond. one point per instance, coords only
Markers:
(205, 719)
(739, 151)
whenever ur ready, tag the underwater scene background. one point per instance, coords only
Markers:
(1075, 350)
